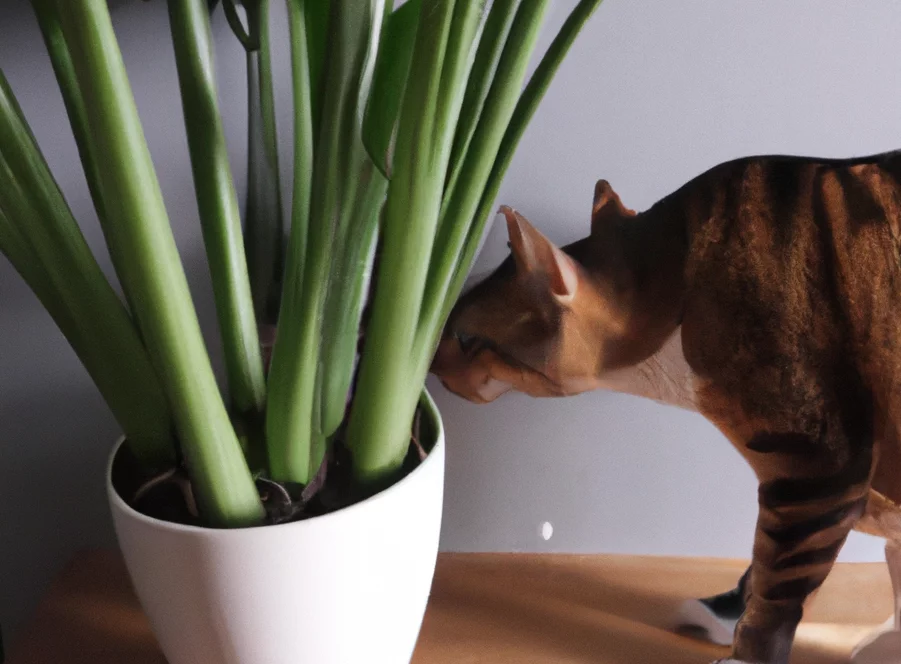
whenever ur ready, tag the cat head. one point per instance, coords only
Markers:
(541, 323)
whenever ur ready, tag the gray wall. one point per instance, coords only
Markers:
(653, 93)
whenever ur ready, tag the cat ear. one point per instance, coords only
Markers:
(607, 206)
(533, 253)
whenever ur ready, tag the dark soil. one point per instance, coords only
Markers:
(168, 495)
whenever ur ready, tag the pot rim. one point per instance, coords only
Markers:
(434, 457)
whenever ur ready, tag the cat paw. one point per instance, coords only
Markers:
(693, 615)
(882, 646)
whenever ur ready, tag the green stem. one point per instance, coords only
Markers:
(488, 56)
(42, 240)
(48, 20)
(461, 202)
(316, 20)
(17, 249)
(392, 67)
(291, 458)
(347, 294)
(264, 225)
(385, 399)
(249, 41)
(355, 238)
(152, 270)
(63, 68)
(525, 109)
(294, 411)
(303, 154)
(218, 205)
(270, 147)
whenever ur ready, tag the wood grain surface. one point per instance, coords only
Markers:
(490, 608)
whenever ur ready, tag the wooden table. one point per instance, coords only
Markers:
(490, 608)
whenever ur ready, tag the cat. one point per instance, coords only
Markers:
(764, 294)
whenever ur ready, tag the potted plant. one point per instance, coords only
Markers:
(297, 518)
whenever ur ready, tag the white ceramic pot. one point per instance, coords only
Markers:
(345, 588)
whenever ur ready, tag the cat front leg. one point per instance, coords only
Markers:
(803, 521)
(715, 616)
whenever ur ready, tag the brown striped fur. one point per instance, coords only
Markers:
(783, 277)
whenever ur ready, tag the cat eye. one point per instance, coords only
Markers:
(467, 341)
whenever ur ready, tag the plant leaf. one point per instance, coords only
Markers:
(42, 240)
(294, 411)
(528, 103)
(248, 38)
(316, 17)
(264, 233)
(462, 196)
(152, 270)
(488, 56)
(218, 205)
(347, 296)
(378, 431)
(391, 70)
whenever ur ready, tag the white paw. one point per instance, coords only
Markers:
(883, 646)
(693, 613)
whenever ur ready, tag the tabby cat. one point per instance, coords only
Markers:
(764, 294)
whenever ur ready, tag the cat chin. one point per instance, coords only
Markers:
(573, 386)
(485, 393)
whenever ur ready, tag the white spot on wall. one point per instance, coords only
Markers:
(547, 531)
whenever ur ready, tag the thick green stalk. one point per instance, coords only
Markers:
(385, 398)
(264, 226)
(218, 205)
(249, 41)
(525, 108)
(152, 270)
(290, 324)
(42, 240)
(364, 190)
(303, 153)
(61, 60)
(18, 251)
(316, 22)
(488, 56)
(460, 202)
(293, 414)
(389, 79)
(462, 48)
(347, 294)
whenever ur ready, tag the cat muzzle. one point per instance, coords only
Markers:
(466, 376)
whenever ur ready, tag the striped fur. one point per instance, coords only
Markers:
(783, 277)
